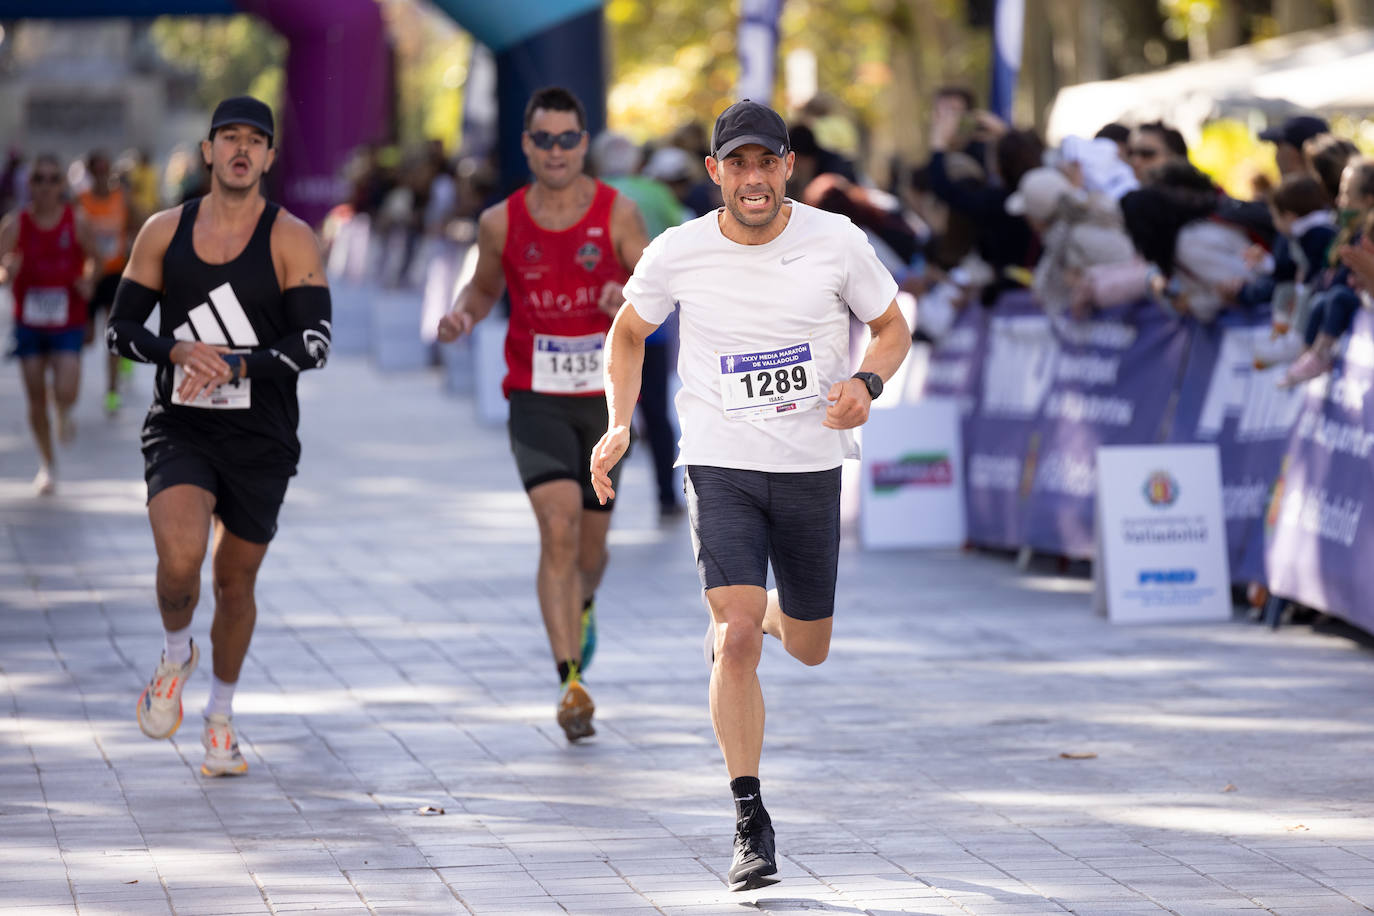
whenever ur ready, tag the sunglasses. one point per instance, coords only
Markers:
(1142, 153)
(566, 140)
(45, 178)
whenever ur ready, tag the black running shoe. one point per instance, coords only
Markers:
(755, 855)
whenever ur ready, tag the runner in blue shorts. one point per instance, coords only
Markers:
(47, 251)
(766, 287)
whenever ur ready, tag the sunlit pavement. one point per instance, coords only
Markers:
(399, 663)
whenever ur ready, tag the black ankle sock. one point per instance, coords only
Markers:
(565, 668)
(591, 599)
(748, 799)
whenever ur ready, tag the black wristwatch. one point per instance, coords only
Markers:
(872, 381)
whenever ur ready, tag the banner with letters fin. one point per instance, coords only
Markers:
(1318, 532)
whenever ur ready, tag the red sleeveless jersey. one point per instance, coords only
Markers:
(554, 279)
(51, 261)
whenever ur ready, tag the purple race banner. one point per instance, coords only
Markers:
(1318, 534)
(1111, 382)
(1002, 434)
(954, 369)
(1041, 395)
(1224, 399)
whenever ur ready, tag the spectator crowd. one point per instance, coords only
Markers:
(1090, 223)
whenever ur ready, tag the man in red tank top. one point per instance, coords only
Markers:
(49, 254)
(563, 248)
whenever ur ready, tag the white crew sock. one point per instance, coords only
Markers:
(177, 648)
(221, 702)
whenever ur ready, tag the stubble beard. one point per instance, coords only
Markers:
(754, 221)
(230, 187)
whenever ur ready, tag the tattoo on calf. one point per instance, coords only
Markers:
(175, 604)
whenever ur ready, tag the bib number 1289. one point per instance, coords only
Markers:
(778, 381)
(765, 384)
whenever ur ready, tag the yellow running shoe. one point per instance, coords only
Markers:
(575, 710)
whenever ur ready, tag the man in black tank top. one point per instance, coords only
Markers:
(244, 310)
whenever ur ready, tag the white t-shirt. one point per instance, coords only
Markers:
(764, 334)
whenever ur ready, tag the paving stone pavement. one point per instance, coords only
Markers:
(399, 662)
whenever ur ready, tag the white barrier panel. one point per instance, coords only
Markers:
(396, 343)
(352, 317)
(1161, 534)
(489, 368)
(912, 487)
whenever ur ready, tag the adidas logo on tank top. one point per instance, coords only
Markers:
(219, 322)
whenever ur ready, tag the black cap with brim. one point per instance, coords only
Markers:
(246, 110)
(1296, 131)
(747, 122)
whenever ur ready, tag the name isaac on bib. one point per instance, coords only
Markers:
(762, 384)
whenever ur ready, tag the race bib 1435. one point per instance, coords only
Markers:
(567, 365)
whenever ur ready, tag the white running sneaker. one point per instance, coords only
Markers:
(222, 757)
(45, 482)
(159, 706)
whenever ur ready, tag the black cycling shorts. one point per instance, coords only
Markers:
(247, 502)
(552, 437)
(744, 520)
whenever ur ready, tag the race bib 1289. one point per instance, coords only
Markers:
(768, 383)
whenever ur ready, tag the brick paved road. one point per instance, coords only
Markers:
(399, 663)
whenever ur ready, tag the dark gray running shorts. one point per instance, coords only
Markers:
(246, 501)
(743, 520)
(552, 437)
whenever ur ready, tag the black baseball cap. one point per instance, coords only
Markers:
(243, 109)
(748, 122)
(1296, 131)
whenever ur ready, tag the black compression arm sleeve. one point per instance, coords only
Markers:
(126, 336)
(306, 346)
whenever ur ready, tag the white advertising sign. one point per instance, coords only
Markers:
(1161, 534)
(912, 491)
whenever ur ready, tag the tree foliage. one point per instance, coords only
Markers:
(225, 55)
(432, 63)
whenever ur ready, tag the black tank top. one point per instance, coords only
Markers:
(239, 305)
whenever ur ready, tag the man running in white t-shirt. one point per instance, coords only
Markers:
(766, 287)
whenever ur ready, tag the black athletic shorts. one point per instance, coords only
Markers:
(246, 501)
(552, 437)
(743, 520)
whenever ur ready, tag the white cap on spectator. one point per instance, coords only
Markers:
(614, 155)
(669, 163)
(1039, 193)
